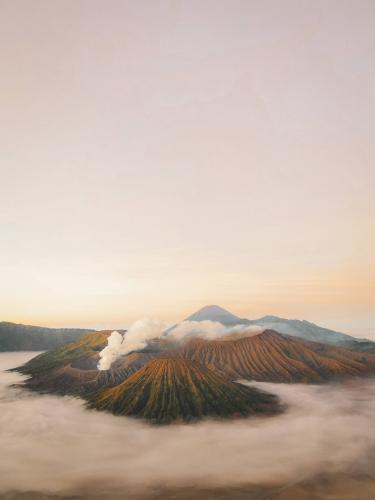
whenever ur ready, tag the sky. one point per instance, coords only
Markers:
(157, 156)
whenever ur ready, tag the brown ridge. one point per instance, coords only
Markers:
(273, 357)
(170, 389)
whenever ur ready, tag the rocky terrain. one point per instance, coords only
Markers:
(169, 390)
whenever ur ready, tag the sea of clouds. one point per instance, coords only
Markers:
(50, 443)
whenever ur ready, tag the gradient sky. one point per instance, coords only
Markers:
(157, 156)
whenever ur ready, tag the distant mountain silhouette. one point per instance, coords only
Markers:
(303, 329)
(17, 337)
(294, 327)
(216, 313)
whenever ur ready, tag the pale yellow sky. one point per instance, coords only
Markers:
(157, 156)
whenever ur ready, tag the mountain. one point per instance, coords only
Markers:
(82, 378)
(168, 389)
(174, 381)
(217, 313)
(363, 345)
(303, 329)
(268, 356)
(294, 327)
(72, 369)
(86, 347)
(273, 357)
(17, 337)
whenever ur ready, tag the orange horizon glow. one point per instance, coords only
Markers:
(157, 158)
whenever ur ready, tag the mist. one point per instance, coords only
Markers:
(135, 339)
(147, 329)
(211, 329)
(53, 444)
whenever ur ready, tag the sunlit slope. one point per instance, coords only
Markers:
(72, 369)
(18, 337)
(79, 380)
(86, 347)
(273, 357)
(167, 390)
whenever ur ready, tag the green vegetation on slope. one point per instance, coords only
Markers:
(15, 337)
(87, 346)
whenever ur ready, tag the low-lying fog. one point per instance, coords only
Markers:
(54, 444)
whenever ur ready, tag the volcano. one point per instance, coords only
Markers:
(169, 390)
(272, 357)
(219, 314)
(293, 327)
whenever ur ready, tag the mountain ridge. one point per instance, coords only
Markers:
(167, 390)
(274, 357)
(20, 337)
(216, 313)
(298, 328)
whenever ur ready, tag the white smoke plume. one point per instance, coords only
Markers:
(210, 329)
(135, 339)
(143, 330)
(110, 352)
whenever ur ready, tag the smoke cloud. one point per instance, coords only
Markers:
(142, 331)
(111, 351)
(53, 444)
(135, 339)
(211, 329)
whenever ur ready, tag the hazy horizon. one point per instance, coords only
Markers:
(119, 326)
(160, 156)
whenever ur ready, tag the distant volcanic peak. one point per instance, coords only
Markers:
(270, 318)
(215, 313)
(170, 389)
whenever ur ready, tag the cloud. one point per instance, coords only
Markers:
(111, 351)
(52, 443)
(135, 339)
(210, 329)
(143, 330)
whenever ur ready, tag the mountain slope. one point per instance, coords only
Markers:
(82, 378)
(273, 357)
(72, 369)
(303, 329)
(216, 313)
(169, 389)
(86, 347)
(294, 327)
(362, 345)
(17, 337)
